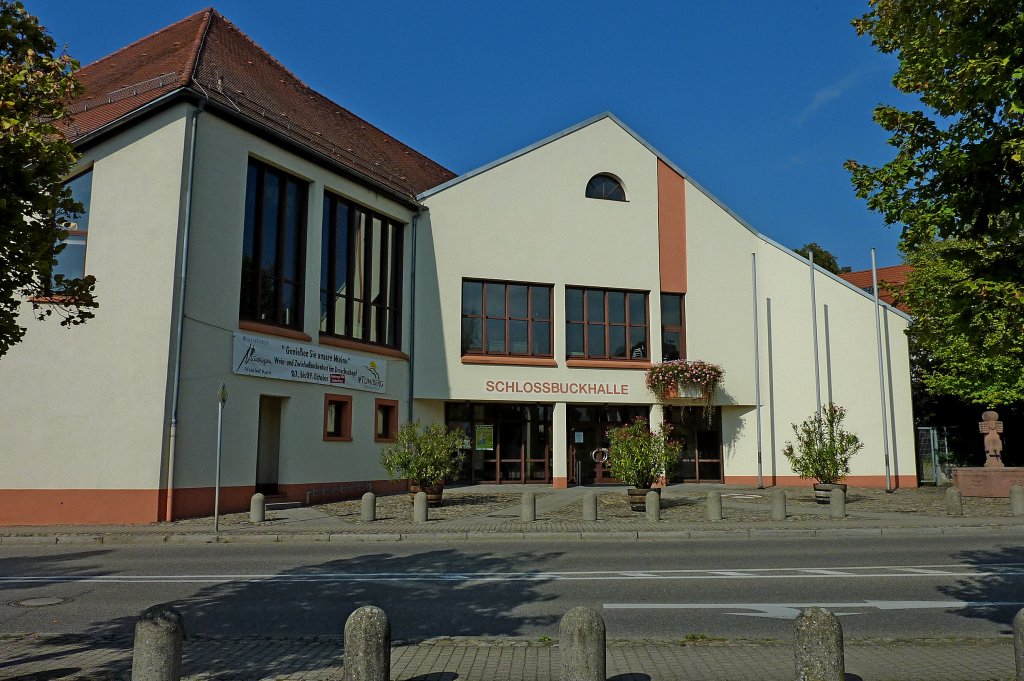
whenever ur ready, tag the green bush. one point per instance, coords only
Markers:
(425, 456)
(823, 448)
(637, 456)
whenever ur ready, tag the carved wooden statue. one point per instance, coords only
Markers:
(991, 426)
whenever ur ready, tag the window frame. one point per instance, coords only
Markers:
(483, 318)
(585, 323)
(391, 248)
(255, 276)
(606, 176)
(346, 418)
(392, 430)
(673, 328)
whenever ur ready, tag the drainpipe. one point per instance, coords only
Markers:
(173, 438)
(412, 311)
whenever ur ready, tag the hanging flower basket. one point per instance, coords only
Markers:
(692, 378)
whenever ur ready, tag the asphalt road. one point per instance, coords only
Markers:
(910, 588)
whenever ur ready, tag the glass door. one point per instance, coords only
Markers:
(700, 449)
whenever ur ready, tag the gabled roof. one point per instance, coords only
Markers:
(896, 274)
(206, 56)
(610, 116)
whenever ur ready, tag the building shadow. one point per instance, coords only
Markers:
(253, 626)
(999, 590)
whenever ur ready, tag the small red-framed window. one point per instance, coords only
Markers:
(337, 418)
(385, 420)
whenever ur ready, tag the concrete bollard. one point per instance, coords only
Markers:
(954, 502)
(581, 644)
(1018, 645)
(778, 504)
(368, 508)
(156, 655)
(1017, 500)
(528, 511)
(818, 644)
(714, 505)
(257, 508)
(368, 644)
(590, 506)
(652, 504)
(419, 508)
(837, 503)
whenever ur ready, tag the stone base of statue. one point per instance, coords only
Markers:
(987, 482)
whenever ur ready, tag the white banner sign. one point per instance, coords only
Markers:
(272, 358)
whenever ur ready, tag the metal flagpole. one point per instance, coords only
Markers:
(814, 329)
(222, 397)
(881, 372)
(757, 371)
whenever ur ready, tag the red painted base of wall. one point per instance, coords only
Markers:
(876, 481)
(560, 483)
(138, 506)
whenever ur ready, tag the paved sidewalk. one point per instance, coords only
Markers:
(79, 657)
(559, 515)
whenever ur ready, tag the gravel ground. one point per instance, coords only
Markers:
(457, 504)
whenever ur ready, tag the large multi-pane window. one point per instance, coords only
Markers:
(673, 331)
(273, 251)
(71, 258)
(504, 318)
(605, 323)
(360, 274)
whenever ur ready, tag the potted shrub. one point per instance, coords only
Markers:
(693, 378)
(426, 457)
(823, 450)
(639, 457)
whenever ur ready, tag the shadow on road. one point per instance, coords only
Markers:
(251, 623)
(1003, 586)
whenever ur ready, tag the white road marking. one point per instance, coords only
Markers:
(856, 572)
(791, 610)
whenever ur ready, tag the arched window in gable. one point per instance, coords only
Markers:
(605, 186)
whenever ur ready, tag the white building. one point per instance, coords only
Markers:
(246, 231)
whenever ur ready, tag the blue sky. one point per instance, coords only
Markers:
(759, 102)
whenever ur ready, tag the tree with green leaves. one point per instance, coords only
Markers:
(822, 258)
(956, 185)
(36, 209)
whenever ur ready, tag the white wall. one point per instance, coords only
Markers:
(84, 407)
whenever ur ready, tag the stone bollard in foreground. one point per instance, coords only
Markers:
(714, 505)
(818, 643)
(652, 504)
(1017, 500)
(778, 504)
(368, 508)
(419, 507)
(954, 502)
(582, 646)
(590, 506)
(156, 655)
(368, 645)
(528, 510)
(257, 508)
(1018, 645)
(837, 503)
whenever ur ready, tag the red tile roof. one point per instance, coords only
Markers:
(897, 274)
(207, 55)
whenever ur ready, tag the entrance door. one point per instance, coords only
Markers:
(700, 457)
(588, 433)
(268, 446)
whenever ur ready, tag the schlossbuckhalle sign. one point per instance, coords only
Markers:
(272, 358)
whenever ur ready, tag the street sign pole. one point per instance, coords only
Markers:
(222, 397)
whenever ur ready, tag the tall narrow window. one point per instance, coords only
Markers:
(506, 318)
(360, 274)
(673, 326)
(71, 257)
(273, 250)
(605, 323)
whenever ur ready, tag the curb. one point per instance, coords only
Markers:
(120, 539)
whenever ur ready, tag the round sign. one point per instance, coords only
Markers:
(599, 455)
